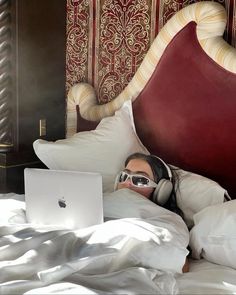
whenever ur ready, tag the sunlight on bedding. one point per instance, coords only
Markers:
(19, 261)
(12, 211)
(131, 241)
(141, 231)
(63, 288)
(229, 287)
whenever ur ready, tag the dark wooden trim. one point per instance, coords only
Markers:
(6, 76)
(12, 167)
(32, 83)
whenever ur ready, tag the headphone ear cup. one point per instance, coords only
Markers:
(162, 192)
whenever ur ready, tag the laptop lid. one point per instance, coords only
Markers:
(68, 199)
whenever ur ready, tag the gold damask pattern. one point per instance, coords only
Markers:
(78, 16)
(167, 8)
(123, 35)
(233, 9)
(108, 39)
(230, 34)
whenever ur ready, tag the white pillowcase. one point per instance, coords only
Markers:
(213, 236)
(103, 150)
(195, 192)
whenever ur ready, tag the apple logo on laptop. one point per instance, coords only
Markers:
(62, 203)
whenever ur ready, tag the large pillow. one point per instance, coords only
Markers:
(102, 150)
(213, 236)
(195, 192)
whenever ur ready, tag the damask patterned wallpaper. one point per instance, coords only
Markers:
(108, 39)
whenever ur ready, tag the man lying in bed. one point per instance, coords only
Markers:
(151, 177)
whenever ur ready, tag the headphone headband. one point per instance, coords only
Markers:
(167, 167)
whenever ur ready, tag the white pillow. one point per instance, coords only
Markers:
(213, 236)
(102, 150)
(195, 192)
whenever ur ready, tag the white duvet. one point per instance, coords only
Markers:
(138, 251)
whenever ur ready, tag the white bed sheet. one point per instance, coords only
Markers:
(44, 260)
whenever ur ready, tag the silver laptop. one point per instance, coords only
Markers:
(67, 199)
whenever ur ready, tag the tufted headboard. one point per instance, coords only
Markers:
(184, 96)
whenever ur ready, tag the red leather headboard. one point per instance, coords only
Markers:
(186, 114)
(184, 95)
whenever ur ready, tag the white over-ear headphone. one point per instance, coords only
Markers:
(164, 187)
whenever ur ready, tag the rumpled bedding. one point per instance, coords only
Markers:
(205, 278)
(138, 250)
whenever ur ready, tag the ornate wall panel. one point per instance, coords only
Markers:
(123, 36)
(233, 24)
(79, 16)
(233, 9)
(107, 39)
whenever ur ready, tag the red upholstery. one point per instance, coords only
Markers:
(187, 111)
